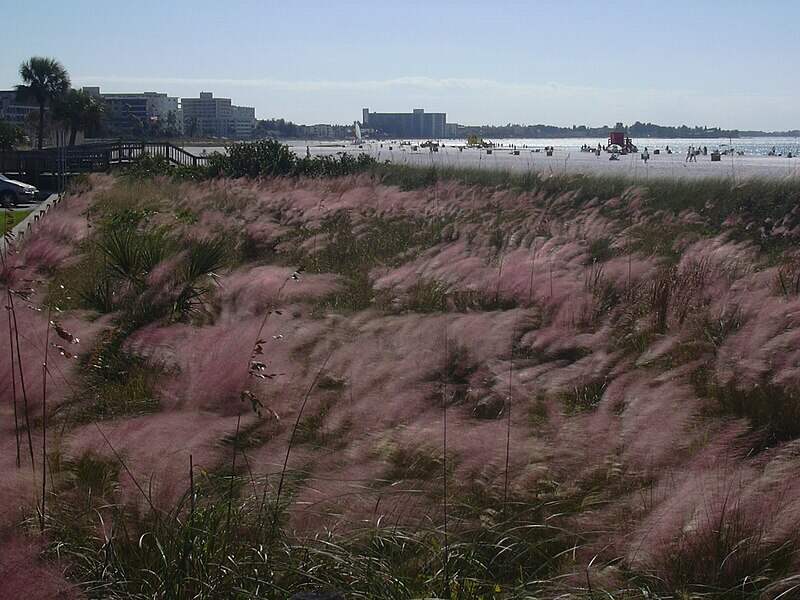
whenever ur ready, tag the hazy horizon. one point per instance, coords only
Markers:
(581, 63)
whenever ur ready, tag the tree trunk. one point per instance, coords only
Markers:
(73, 132)
(41, 125)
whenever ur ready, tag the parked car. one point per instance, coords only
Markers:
(15, 192)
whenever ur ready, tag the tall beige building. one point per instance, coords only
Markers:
(207, 116)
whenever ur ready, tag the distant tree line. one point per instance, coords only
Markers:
(281, 128)
(637, 129)
(276, 128)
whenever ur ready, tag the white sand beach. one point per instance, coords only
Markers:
(563, 161)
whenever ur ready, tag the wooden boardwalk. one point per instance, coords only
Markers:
(90, 158)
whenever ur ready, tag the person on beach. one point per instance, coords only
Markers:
(688, 154)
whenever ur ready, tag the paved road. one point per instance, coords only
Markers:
(31, 205)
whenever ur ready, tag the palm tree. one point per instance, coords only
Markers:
(44, 79)
(78, 111)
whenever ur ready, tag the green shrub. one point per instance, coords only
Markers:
(270, 158)
(148, 165)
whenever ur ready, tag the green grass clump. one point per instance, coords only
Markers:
(414, 463)
(311, 428)
(354, 251)
(210, 544)
(133, 198)
(458, 366)
(430, 296)
(772, 410)
(427, 295)
(81, 487)
(538, 413)
(725, 556)
(585, 397)
(600, 250)
(114, 383)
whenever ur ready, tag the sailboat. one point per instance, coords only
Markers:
(357, 139)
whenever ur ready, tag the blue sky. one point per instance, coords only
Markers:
(730, 63)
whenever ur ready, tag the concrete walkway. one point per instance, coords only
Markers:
(29, 223)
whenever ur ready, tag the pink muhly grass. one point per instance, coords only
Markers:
(291, 442)
(43, 508)
(44, 254)
(12, 374)
(252, 291)
(21, 371)
(25, 575)
(156, 448)
(724, 538)
(209, 364)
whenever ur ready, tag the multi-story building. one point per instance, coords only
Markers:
(207, 116)
(318, 131)
(416, 124)
(452, 130)
(243, 121)
(13, 110)
(139, 113)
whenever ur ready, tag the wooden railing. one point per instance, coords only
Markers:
(88, 158)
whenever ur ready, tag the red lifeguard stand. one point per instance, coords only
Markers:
(616, 138)
(619, 138)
